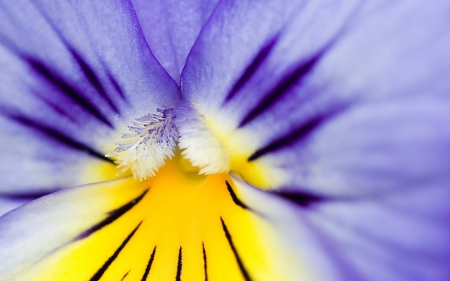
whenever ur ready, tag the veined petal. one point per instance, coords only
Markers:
(72, 78)
(171, 28)
(333, 98)
(397, 236)
(176, 226)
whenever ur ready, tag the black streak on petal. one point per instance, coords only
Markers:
(180, 265)
(294, 135)
(149, 265)
(93, 79)
(111, 259)
(236, 200)
(68, 89)
(19, 195)
(205, 265)
(125, 276)
(302, 199)
(55, 106)
(236, 255)
(252, 68)
(280, 90)
(53, 134)
(116, 86)
(112, 216)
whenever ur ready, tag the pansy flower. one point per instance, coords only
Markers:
(225, 140)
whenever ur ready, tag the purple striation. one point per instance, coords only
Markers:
(296, 134)
(93, 79)
(27, 195)
(302, 199)
(98, 275)
(69, 90)
(112, 216)
(52, 133)
(290, 80)
(252, 68)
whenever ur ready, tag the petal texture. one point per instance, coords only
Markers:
(7, 204)
(171, 28)
(177, 226)
(343, 107)
(402, 236)
(72, 77)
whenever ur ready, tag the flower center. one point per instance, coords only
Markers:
(153, 138)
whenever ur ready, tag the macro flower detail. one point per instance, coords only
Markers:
(224, 140)
(199, 143)
(152, 140)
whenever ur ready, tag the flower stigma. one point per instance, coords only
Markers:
(154, 138)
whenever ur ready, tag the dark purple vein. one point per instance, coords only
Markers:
(179, 265)
(93, 79)
(236, 255)
(249, 72)
(112, 216)
(52, 133)
(296, 134)
(302, 199)
(279, 91)
(125, 276)
(236, 200)
(149, 265)
(67, 88)
(114, 256)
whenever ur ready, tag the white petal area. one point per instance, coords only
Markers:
(200, 143)
(401, 236)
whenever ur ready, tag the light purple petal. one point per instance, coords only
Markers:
(343, 98)
(401, 236)
(71, 78)
(171, 28)
(8, 204)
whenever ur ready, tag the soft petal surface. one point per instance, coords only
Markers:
(176, 226)
(337, 98)
(72, 76)
(134, 229)
(171, 28)
(400, 236)
(7, 203)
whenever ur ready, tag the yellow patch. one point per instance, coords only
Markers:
(196, 226)
(101, 171)
(258, 173)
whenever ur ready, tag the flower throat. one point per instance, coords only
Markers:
(154, 138)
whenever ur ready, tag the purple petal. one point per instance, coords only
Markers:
(171, 28)
(8, 204)
(71, 78)
(342, 99)
(402, 236)
(229, 53)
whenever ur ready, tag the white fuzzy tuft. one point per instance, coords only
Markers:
(152, 140)
(200, 145)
